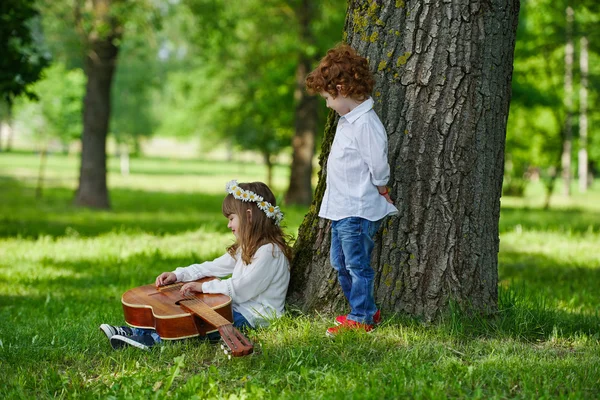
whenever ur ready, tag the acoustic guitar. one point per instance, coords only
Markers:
(174, 316)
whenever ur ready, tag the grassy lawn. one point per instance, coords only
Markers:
(63, 270)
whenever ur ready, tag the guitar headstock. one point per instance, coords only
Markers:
(237, 344)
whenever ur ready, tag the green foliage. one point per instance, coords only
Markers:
(136, 79)
(57, 114)
(64, 269)
(246, 85)
(23, 58)
(209, 69)
(537, 114)
(239, 78)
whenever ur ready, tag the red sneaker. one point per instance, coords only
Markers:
(348, 325)
(341, 319)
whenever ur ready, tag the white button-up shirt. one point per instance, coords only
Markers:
(357, 164)
(257, 290)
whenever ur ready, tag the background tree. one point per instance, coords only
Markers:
(318, 23)
(243, 90)
(136, 80)
(306, 112)
(55, 118)
(56, 115)
(23, 58)
(443, 75)
(230, 85)
(100, 26)
(536, 127)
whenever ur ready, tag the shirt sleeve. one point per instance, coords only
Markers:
(373, 148)
(221, 266)
(255, 278)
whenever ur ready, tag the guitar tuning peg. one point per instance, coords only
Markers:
(229, 356)
(222, 347)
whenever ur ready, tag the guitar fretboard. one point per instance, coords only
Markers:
(199, 307)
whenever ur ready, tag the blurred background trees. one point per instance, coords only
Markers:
(543, 135)
(22, 59)
(229, 75)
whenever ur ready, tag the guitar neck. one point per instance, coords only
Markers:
(238, 344)
(203, 310)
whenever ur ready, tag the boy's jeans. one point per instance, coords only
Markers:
(351, 248)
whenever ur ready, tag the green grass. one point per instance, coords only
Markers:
(63, 270)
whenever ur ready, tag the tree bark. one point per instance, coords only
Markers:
(443, 72)
(303, 144)
(99, 68)
(101, 30)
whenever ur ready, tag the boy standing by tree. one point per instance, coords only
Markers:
(356, 197)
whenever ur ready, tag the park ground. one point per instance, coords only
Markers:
(63, 270)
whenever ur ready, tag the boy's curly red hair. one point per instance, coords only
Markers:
(345, 67)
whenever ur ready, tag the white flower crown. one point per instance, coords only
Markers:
(237, 192)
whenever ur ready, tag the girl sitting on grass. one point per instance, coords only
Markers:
(258, 263)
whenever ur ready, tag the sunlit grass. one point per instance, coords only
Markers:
(63, 270)
(535, 197)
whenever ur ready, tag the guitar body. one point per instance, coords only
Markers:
(147, 307)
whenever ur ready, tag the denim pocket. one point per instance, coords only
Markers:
(373, 227)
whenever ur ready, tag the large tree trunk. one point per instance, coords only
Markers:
(303, 144)
(99, 67)
(443, 72)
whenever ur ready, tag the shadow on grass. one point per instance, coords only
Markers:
(94, 282)
(152, 212)
(539, 298)
(24, 215)
(529, 307)
(82, 292)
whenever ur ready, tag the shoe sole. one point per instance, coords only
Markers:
(336, 322)
(118, 342)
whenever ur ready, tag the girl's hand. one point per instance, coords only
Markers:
(166, 278)
(190, 288)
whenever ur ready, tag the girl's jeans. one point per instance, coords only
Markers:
(351, 248)
(239, 321)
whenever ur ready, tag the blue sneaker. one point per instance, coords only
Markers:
(110, 330)
(143, 342)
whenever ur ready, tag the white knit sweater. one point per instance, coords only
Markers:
(257, 290)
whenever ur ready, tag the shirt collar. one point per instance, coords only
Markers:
(359, 110)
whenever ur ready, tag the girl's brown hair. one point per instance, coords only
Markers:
(255, 228)
(345, 67)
